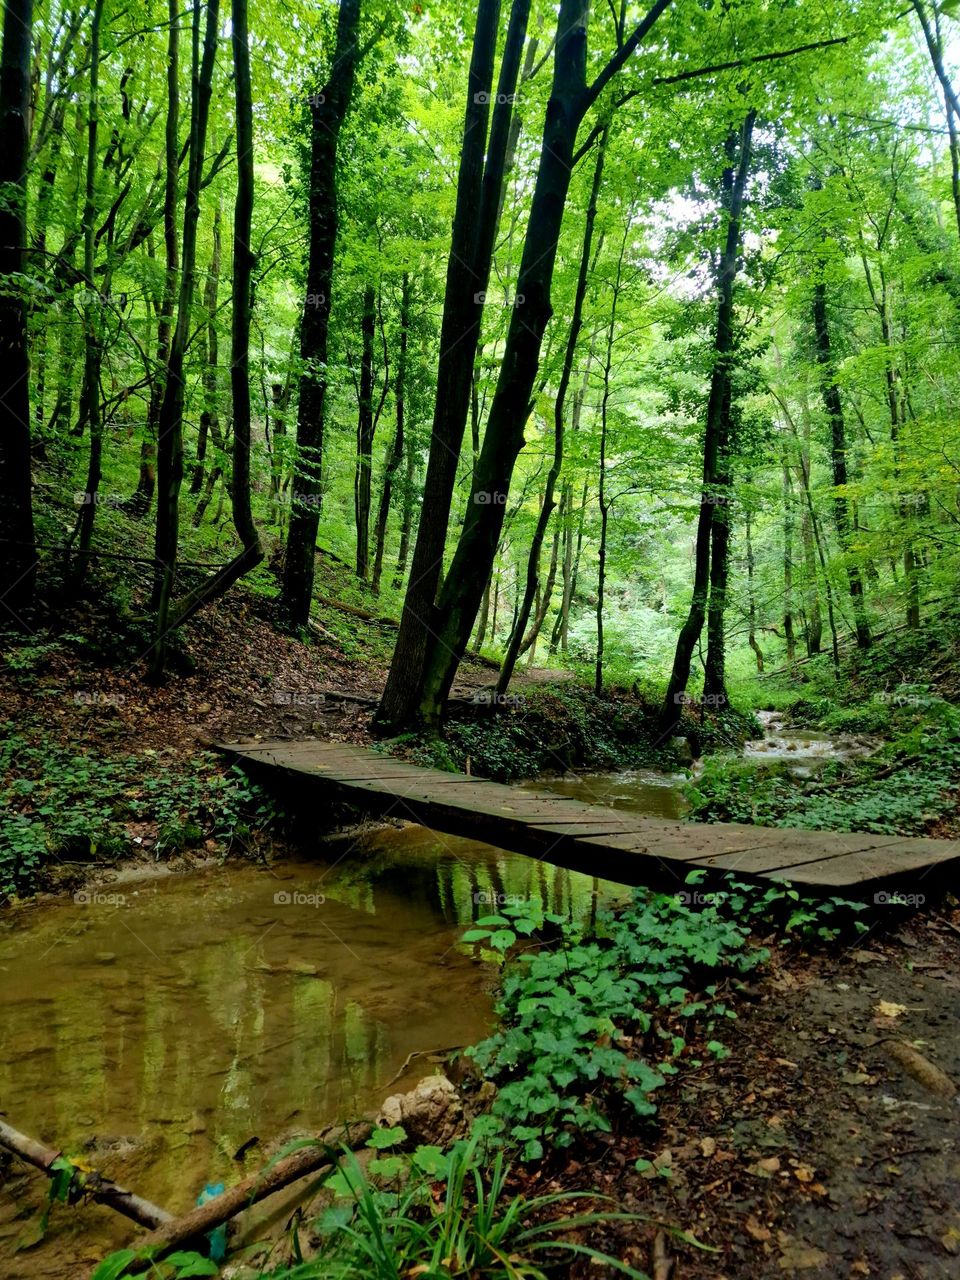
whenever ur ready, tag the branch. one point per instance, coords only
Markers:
(625, 51)
(749, 62)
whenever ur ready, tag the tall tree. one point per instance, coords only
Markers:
(327, 113)
(459, 600)
(479, 199)
(18, 561)
(733, 187)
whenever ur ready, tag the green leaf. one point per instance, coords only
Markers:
(381, 1139)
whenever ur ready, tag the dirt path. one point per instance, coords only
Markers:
(809, 1151)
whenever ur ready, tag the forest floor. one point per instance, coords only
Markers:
(807, 1150)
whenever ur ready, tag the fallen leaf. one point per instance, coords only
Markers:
(756, 1230)
(802, 1257)
(707, 1146)
(803, 1173)
(888, 1009)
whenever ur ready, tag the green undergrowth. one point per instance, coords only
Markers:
(64, 805)
(910, 786)
(593, 1021)
(550, 728)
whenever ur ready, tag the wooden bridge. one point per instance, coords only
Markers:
(611, 844)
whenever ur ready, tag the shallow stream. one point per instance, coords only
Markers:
(175, 1030)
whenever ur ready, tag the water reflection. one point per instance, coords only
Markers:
(164, 1031)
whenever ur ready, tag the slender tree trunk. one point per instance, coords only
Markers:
(570, 99)
(714, 670)
(559, 410)
(242, 316)
(602, 500)
(483, 619)
(934, 41)
(18, 561)
(788, 628)
(479, 195)
(563, 616)
(529, 644)
(170, 422)
(718, 405)
(406, 523)
(365, 429)
(328, 110)
(752, 601)
(838, 454)
(396, 450)
(241, 509)
(209, 377)
(90, 407)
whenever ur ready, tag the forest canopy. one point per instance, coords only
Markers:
(625, 335)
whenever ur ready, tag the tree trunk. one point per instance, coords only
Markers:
(788, 631)
(559, 409)
(170, 422)
(734, 187)
(365, 429)
(838, 455)
(406, 523)
(602, 500)
(209, 379)
(479, 193)
(396, 450)
(473, 559)
(327, 112)
(90, 407)
(752, 601)
(18, 563)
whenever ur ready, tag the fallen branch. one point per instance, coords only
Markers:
(322, 1154)
(921, 1069)
(87, 1181)
(356, 612)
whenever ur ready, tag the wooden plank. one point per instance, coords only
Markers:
(599, 840)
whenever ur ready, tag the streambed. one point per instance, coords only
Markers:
(174, 1030)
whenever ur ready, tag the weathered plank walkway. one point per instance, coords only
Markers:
(609, 843)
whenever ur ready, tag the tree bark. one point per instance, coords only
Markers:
(479, 188)
(718, 405)
(90, 408)
(327, 113)
(170, 422)
(559, 409)
(365, 430)
(838, 455)
(98, 1188)
(570, 99)
(18, 561)
(396, 449)
(788, 629)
